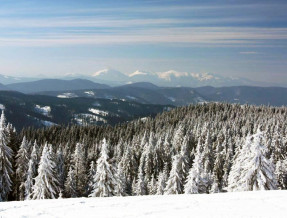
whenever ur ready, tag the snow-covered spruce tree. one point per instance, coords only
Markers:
(46, 184)
(6, 155)
(105, 181)
(134, 187)
(218, 167)
(281, 173)
(152, 188)
(141, 186)
(162, 179)
(91, 175)
(29, 181)
(80, 169)
(60, 168)
(121, 181)
(22, 161)
(70, 184)
(196, 182)
(174, 183)
(31, 173)
(235, 175)
(35, 159)
(258, 172)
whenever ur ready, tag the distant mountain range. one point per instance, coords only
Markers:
(169, 78)
(173, 78)
(148, 93)
(53, 84)
(79, 101)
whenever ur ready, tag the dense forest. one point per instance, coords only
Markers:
(203, 148)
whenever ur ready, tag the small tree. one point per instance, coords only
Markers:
(46, 184)
(6, 155)
(104, 181)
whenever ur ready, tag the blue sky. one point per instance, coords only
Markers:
(231, 38)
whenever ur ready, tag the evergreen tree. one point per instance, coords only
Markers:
(22, 162)
(29, 181)
(6, 155)
(79, 167)
(121, 181)
(174, 182)
(104, 181)
(152, 188)
(162, 179)
(141, 187)
(70, 184)
(281, 173)
(196, 181)
(91, 175)
(46, 184)
(259, 172)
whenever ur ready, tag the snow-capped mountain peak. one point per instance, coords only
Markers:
(137, 73)
(171, 73)
(110, 75)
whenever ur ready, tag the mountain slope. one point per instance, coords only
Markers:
(244, 204)
(55, 85)
(38, 110)
(275, 96)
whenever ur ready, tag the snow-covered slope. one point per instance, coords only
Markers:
(244, 204)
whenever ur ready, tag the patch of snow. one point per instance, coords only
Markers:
(99, 112)
(237, 204)
(45, 110)
(144, 119)
(131, 97)
(2, 106)
(67, 95)
(172, 99)
(47, 123)
(100, 72)
(136, 73)
(171, 73)
(88, 119)
(90, 93)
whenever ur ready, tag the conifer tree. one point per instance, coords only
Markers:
(104, 181)
(22, 161)
(141, 186)
(196, 181)
(70, 184)
(162, 179)
(6, 155)
(79, 167)
(152, 188)
(121, 181)
(281, 173)
(91, 175)
(46, 184)
(29, 181)
(258, 172)
(174, 182)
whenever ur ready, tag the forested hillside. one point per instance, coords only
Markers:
(206, 148)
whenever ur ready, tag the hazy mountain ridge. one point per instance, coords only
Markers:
(170, 78)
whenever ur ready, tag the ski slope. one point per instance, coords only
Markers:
(244, 204)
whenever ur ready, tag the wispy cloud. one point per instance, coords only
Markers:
(191, 35)
(248, 52)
